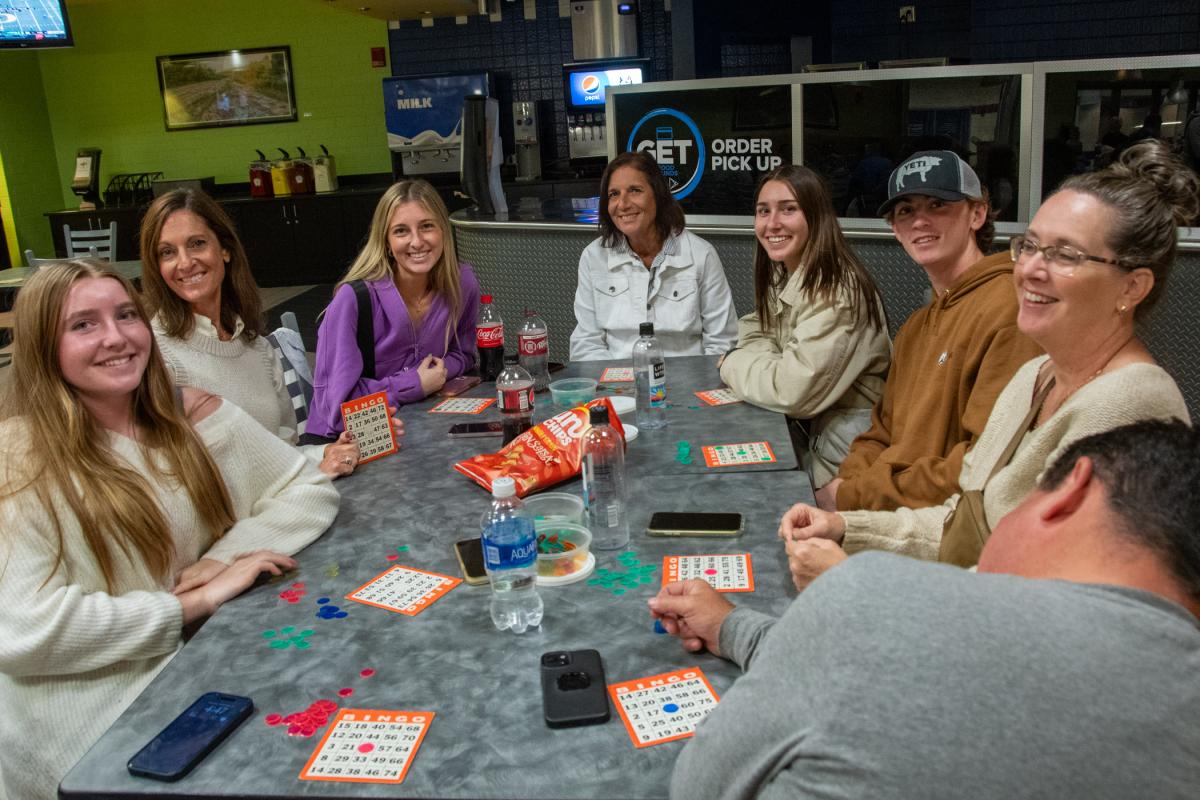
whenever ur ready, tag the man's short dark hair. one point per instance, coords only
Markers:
(1150, 472)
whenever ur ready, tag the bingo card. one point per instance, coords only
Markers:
(617, 375)
(404, 589)
(733, 455)
(663, 708)
(462, 405)
(719, 397)
(368, 419)
(730, 572)
(368, 746)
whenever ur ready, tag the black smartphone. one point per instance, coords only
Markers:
(191, 736)
(467, 429)
(456, 386)
(574, 691)
(555, 366)
(695, 523)
(470, 560)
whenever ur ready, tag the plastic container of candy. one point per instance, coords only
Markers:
(571, 392)
(554, 507)
(563, 553)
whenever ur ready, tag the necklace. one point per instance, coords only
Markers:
(1045, 412)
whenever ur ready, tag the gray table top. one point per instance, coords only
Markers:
(16, 277)
(488, 739)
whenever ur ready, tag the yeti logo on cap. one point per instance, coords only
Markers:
(920, 166)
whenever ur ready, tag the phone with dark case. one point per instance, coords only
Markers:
(470, 560)
(695, 523)
(191, 736)
(456, 386)
(574, 691)
(469, 429)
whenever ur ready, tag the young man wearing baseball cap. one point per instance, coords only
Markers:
(951, 358)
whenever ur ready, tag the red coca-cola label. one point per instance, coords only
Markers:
(489, 337)
(515, 399)
(533, 344)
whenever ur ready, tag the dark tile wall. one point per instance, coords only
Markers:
(984, 31)
(524, 56)
(757, 58)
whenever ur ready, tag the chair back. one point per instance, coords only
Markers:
(100, 243)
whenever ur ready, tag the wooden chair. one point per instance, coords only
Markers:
(100, 243)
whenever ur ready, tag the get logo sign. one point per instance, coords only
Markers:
(674, 140)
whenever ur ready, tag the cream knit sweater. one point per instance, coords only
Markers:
(1133, 393)
(73, 656)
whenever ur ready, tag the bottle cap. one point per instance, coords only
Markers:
(503, 487)
(487, 298)
(511, 358)
(598, 415)
(646, 329)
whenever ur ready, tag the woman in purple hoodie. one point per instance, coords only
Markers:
(423, 308)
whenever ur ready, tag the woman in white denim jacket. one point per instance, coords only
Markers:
(646, 268)
(816, 346)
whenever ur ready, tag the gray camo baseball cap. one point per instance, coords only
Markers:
(934, 173)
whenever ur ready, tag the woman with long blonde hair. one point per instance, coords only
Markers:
(423, 309)
(127, 511)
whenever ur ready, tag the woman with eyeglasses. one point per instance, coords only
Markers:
(1093, 261)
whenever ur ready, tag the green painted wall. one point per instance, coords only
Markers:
(104, 92)
(31, 178)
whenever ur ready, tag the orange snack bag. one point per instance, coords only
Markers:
(546, 454)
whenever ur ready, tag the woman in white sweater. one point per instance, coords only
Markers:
(207, 317)
(128, 509)
(1094, 259)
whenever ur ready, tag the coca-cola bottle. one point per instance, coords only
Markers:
(533, 345)
(514, 396)
(489, 339)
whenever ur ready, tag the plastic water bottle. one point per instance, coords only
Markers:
(650, 372)
(489, 339)
(533, 345)
(510, 558)
(604, 483)
(514, 398)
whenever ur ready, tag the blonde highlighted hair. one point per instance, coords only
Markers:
(375, 260)
(114, 504)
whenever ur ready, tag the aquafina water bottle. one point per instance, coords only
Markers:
(510, 558)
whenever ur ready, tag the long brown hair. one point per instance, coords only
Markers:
(239, 292)
(668, 214)
(830, 266)
(375, 260)
(71, 452)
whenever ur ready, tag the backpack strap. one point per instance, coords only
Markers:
(366, 327)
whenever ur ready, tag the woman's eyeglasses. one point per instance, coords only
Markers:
(1063, 259)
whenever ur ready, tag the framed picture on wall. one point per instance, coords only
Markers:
(231, 87)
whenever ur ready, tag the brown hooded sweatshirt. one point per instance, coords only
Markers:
(950, 360)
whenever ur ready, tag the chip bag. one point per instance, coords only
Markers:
(546, 454)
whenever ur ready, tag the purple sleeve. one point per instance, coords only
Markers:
(338, 375)
(460, 355)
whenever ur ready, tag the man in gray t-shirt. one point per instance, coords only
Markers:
(1073, 675)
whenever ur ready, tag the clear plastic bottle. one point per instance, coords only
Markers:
(604, 483)
(514, 398)
(533, 345)
(510, 558)
(489, 339)
(650, 372)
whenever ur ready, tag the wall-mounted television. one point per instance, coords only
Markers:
(585, 82)
(34, 23)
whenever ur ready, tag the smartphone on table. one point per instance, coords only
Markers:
(695, 523)
(469, 553)
(191, 736)
(465, 430)
(456, 386)
(574, 691)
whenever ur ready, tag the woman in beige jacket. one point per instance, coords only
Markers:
(816, 345)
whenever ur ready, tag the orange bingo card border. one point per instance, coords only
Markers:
(604, 376)
(637, 684)
(367, 400)
(710, 457)
(438, 593)
(670, 568)
(707, 396)
(483, 406)
(333, 725)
